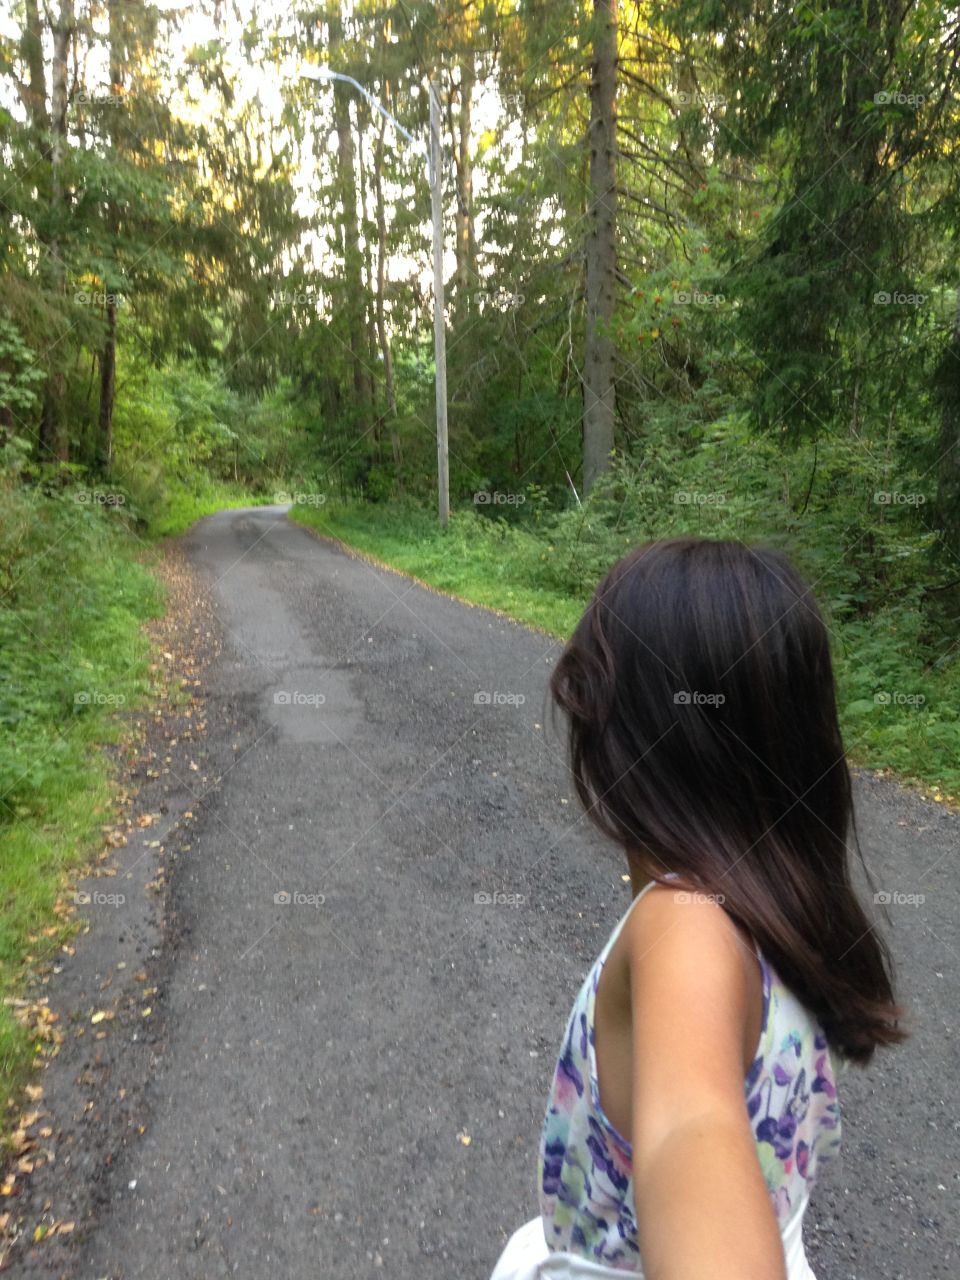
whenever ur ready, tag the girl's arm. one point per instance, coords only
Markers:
(703, 1210)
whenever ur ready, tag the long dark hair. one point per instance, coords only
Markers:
(703, 737)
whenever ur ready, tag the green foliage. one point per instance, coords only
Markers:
(72, 597)
(20, 373)
(786, 351)
(831, 506)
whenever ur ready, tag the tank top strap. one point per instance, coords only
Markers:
(667, 875)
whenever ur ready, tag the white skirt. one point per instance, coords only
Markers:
(527, 1257)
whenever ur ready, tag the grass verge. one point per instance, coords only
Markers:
(76, 589)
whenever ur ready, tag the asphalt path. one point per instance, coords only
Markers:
(351, 1079)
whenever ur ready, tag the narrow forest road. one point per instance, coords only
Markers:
(350, 1084)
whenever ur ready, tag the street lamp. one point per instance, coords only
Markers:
(435, 177)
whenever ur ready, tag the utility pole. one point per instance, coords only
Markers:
(439, 323)
(434, 152)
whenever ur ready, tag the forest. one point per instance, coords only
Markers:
(701, 274)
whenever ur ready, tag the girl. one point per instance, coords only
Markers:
(695, 1094)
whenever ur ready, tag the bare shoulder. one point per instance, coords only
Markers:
(678, 926)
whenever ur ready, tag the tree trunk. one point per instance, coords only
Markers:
(108, 382)
(53, 422)
(382, 337)
(352, 252)
(32, 45)
(108, 354)
(601, 249)
(948, 473)
(466, 249)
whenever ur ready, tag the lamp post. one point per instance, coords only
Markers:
(435, 178)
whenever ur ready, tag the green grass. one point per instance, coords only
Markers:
(75, 589)
(541, 572)
(73, 595)
(476, 559)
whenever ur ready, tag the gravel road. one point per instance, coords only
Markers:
(349, 1082)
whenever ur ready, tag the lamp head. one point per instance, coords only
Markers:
(310, 71)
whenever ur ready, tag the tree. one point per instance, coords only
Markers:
(599, 404)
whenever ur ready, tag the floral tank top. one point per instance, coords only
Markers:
(584, 1166)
